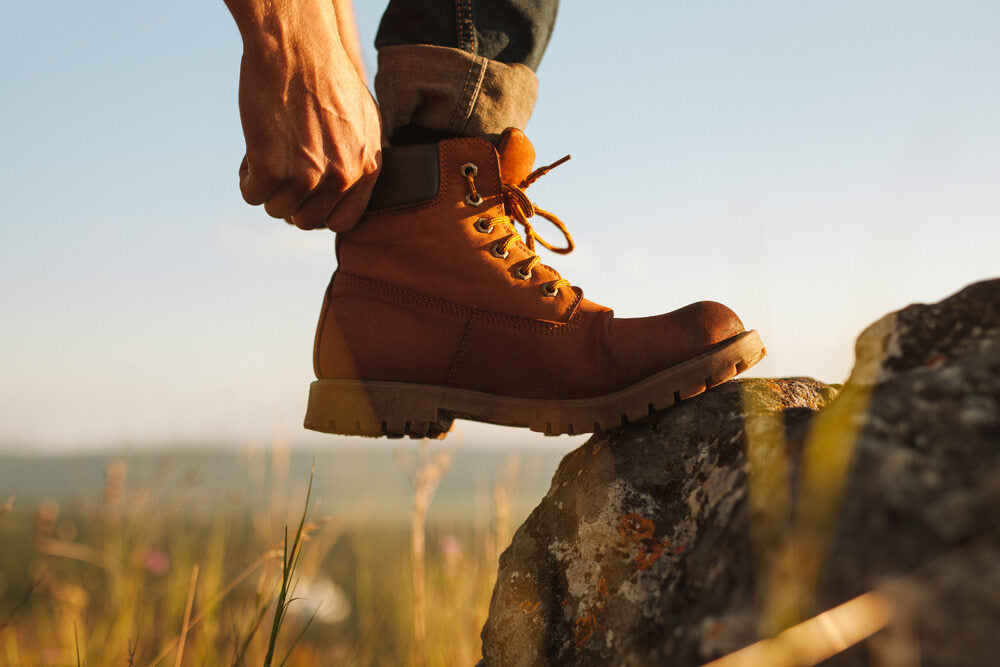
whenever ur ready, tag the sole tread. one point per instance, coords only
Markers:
(396, 410)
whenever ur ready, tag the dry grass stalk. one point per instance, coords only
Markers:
(426, 479)
(216, 600)
(91, 554)
(185, 626)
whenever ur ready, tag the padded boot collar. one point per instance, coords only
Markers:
(409, 175)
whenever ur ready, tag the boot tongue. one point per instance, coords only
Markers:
(517, 156)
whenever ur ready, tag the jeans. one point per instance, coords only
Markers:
(509, 31)
(460, 67)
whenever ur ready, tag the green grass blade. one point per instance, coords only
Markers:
(76, 642)
(289, 560)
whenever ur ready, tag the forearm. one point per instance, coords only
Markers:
(285, 28)
(311, 126)
(347, 26)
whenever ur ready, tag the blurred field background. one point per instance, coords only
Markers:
(101, 553)
(812, 165)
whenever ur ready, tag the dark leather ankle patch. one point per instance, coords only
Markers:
(409, 175)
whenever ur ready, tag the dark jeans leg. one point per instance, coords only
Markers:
(507, 31)
(451, 68)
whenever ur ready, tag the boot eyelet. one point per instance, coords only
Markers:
(483, 225)
(522, 274)
(495, 251)
(470, 170)
(548, 290)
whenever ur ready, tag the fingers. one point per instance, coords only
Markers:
(350, 209)
(332, 199)
(313, 211)
(333, 208)
(287, 199)
(280, 197)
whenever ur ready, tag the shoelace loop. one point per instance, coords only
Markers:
(520, 208)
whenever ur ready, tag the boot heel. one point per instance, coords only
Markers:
(374, 409)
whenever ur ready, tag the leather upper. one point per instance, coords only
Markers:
(418, 297)
(435, 248)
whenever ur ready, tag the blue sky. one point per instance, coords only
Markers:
(812, 164)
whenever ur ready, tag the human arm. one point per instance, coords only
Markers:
(313, 137)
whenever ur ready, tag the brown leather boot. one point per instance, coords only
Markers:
(440, 310)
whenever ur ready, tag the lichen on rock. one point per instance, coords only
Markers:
(739, 512)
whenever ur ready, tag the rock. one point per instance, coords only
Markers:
(738, 513)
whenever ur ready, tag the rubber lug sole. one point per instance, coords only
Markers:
(397, 409)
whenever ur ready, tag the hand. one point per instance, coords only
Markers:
(312, 129)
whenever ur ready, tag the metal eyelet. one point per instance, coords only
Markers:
(548, 290)
(481, 225)
(495, 251)
(470, 169)
(522, 274)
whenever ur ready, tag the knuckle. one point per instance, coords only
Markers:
(373, 164)
(260, 170)
(305, 182)
(338, 180)
(312, 177)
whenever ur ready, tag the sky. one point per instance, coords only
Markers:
(814, 165)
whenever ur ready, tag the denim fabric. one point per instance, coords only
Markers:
(508, 31)
(427, 93)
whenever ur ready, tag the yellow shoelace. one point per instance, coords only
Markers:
(521, 208)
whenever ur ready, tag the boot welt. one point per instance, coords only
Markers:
(394, 409)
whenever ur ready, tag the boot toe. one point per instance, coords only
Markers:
(647, 345)
(710, 322)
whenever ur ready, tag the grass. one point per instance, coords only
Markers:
(140, 574)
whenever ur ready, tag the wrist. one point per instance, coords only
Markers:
(269, 29)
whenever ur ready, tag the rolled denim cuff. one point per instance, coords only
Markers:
(451, 91)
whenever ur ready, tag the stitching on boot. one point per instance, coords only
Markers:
(463, 344)
(525, 324)
(487, 316)
(405, 295)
